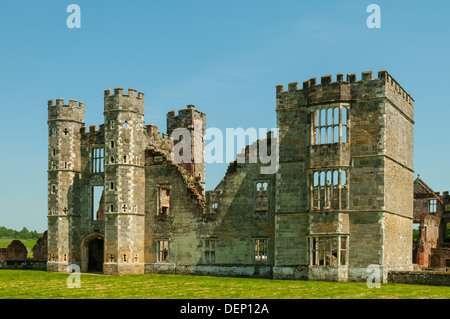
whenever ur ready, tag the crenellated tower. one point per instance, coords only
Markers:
(345, 180)
(195, 122)
(64, 169)
(124, 195)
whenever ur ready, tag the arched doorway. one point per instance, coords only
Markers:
(92, 253)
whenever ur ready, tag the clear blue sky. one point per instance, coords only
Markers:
(223, 56)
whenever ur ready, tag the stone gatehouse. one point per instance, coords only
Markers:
(340, 200)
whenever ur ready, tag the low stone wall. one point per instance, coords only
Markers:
(24, 264)
(250, 271)
(432, 278)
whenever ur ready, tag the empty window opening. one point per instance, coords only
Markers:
(447, 233)
(209, 250)
(112, 123)
(124, 258)
(416, 232)
(66, 165)
(432, 205)
(329, 190)
(66, 131)
(96, 211)
(260, 250)
(328, 250)
(262, 197)
(112, 144)
(164, 201)
(53, 189)
(111, 186)
(124, 158)
(328, 123)
(54, 152)
(97, 157)
(162, 253)
(125, 124)
(112, 160)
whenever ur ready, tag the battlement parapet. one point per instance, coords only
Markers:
(187, 112)
(349, 88)
(119, 92)
(73, 111)
(133, 101)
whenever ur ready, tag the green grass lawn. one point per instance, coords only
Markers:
(29, 244)
(41, 284)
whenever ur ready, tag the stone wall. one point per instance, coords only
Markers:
(433, 278)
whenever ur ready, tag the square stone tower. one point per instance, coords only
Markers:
(344, 192)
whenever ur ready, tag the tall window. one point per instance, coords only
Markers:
(97, 157)
(96, 203)
(162, 253)
(209, 250)
(164, 201)
(260, 250)
(329, 189)
(330, 125)
(432, 204)
(261, 197)
(328, 250)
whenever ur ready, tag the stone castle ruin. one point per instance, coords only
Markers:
(340, 200)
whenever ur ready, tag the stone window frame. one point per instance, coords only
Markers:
(327, 181)
(432, 206)
(159, 188)
(256, 196)
(97, 159)
(324, 124)
(209, 245)
(162, 256)
(260, 250)
(336, 245)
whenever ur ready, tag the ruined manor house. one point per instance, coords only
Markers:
(340, 200)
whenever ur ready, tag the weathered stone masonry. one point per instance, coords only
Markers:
(341, 199)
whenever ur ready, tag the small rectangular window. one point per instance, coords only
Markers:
(209, 250)
(97, 157)
(162, 253)
(432, 207)
(261, 196)
(164, 201)
(260, 250)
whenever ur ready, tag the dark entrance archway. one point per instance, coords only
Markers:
(95, 262)
(92, 253)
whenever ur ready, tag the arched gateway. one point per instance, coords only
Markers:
(92, 253)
